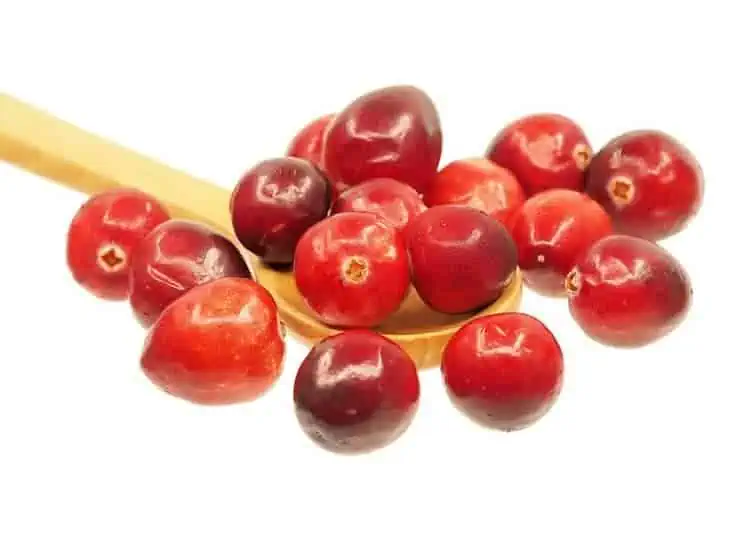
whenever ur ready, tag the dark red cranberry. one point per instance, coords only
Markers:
(461, 258)
(505, 371)
(480, 184)
(103, 234)
(628, 292)
(352, 270)
(219, 343)
(544, 151)
(551, 230)
(395, 202)
(392, 132)
(649, 182)
(275, 203)
(308, 144)
(175, 257)
(356, 392)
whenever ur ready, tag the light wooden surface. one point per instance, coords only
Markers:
(61, 152)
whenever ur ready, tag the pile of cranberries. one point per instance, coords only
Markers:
(360, 211)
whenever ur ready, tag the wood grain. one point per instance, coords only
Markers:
(47, 146)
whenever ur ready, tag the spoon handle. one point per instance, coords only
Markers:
(47, 146)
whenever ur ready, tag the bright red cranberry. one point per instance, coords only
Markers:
(102, 236)
(461, 258)
(275, 203)
(395, 202)
(626, 291)
(392, 132)
(352, 270)
(480, 184)
(650, 184)
(308, 144)
(356, 392)
(175, 257)
(505, 371)
(544, 151)
(551, 231)
(220, 343)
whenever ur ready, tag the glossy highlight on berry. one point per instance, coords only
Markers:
(175, 257)
(649, 182)
(220, 343)
(504, 371)
(543, 151)
(274, 203)
(392, 132)
(356, 392)
(103, 235)
(352, 270)
(628, 292)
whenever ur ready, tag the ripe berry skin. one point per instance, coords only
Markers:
(504, 371)
(103, 234)
(480, 184)
(352, 270)
(395, 202)
(543, 151)
(356, 392)
(392, 132)
(220, 343)
(649, 182)
(308, 144)
(175, 257)
(275, 203)
(628, 292)
(461, 258)
(551, 230)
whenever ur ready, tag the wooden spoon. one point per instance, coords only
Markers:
(52, 148)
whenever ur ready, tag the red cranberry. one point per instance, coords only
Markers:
(174, 258)
(392, 132)
(461, 259)
(220, 343)
(352, 270)
(308, 144)
(650, 184)
(356, 391)
(551, 231)
(275, 203)
(628, 292)
(395, 202)
(504, 371)
(544, 151)
(102, 236)
(480, 184)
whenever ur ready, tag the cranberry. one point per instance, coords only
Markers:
(102, 236)
(461, 259)
(392, 132)
(275, 203)
(352, 270)
(551, 231)
(480, 184)
(544, 151)
(395, 202)
(356, 391)
(309, 142)
(175, 257)
(219, 343)
(650, 184)
(627, 291)
(504, 371)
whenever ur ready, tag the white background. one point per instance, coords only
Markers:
(639, 454)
